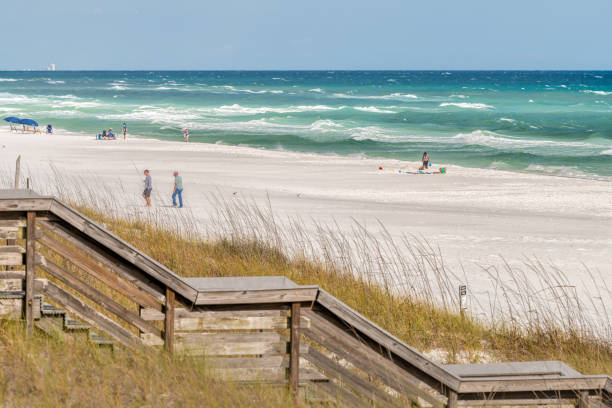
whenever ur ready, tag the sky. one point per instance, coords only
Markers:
(306, 34)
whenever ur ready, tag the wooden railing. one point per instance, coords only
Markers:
(300, 336)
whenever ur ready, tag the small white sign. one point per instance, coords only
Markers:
(463, 301)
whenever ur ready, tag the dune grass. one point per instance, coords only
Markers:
(50, 372)
(419, 322)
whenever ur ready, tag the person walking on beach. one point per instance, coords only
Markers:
(185, 135)
(124, 127)
(178, 190)
(426, 159)
(148, 187)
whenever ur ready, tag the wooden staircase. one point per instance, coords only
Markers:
(67, 276)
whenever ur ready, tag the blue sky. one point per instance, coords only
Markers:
(310, 34)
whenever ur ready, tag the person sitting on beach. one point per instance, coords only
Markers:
(49, 129)
(425, 159)
(148, 187)
(111, 135)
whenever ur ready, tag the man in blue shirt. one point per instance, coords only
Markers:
(148, 187)
(178, 190)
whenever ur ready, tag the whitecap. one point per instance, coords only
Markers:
(237, 110)
(8, 80)
(603, 93)
(492, 139)
(372, 109)
(531, 101)
(396, 96)
(118, 87)
(507, 120)
(51, 82)
(607, 152)
(459, 96)
(466, 105)
(318, 90)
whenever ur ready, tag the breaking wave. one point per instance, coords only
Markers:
(467, 105)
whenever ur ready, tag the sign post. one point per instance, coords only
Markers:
(463, 300)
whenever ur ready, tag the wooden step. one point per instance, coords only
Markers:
(48, 309)
(74, 325)
(100, 340)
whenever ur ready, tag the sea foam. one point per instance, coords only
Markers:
(466, 105)
(603, 93)
(372, 109)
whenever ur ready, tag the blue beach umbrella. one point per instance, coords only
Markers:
(12, 119)
(28, 122)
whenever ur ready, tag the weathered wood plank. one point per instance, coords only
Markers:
(6, 249)
(534, 384)
(227, 337)
(269, 374)
(26, 204)
(361, 386)
(123, 249)
(99, 298)
(10, 233)
(16, 223)
(88, 314)
(345, 346)
(387, 340)
(257, 296)
(11, 259)
(233, 312)
(109, 260)
(534, 402)
(11, 309)
(11, 285)
(114, 281)
(451, 399)
(169, 321)
(233, 344)
(30, 271)
(248, 362)
(229, 323)
(294, 352)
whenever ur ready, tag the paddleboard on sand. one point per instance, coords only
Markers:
(441, 170)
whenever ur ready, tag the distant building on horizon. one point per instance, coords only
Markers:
(51, 68)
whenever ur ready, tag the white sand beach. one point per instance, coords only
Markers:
(474, 216)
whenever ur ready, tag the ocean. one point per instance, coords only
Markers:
(553, 122)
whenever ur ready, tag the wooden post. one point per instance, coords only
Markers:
(17, 171)
(462, 300)
(452, 398)
(169, 321)
(30, 263)
(294, 356)
(583, 399)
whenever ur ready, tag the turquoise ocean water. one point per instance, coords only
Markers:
(549, 122)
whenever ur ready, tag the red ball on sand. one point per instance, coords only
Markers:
(380, 168)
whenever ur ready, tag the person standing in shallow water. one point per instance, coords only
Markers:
(124, 128)
(148, 187)
(178, 190)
